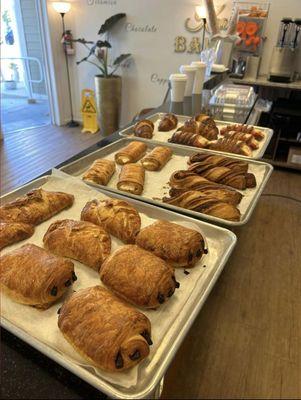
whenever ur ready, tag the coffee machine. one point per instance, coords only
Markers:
(284, 56)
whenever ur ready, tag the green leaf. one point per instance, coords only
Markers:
(121, 58)
(110, 22)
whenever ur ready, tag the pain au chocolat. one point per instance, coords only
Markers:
(130, 153)
(100, 172)
(12, 232)
(157, 158)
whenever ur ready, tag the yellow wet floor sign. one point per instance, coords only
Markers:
(89, 112)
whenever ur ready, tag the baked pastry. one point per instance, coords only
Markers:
(196, 201)
(144, 129)
(219, 161)
(244, 137)
(231, 146)
(257, 134)
(107, 332)
(13, 232)
(157, 158)
(168, 122)
(177, 245)
(138, 276)
(83, 241)
(189, 139)
(35, 207)
(117, 217)
(183, 181)
(100, 172)
(130, 153)
(225, 176)
(131, 179)
(205, 120)
(33, 276)
(208, 131)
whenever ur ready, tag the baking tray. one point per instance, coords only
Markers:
(78, 167)
(220, 243)
(160, 137)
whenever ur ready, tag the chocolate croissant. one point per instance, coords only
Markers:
(208, 131)
(177, 245)
(157, 158)
(33, 276)
(107, 332)
(257, 134)
(131, 179)
(83, 241)
(189, 139)
(117, 217)
(224, 176)
(244, 137)
(13, 232)
(168, 122)
(138, 276)
(231, 146)
(144, 129)
(100, 172)
(196, 201)
(35, 207)
(218, 161)
(130, 153)
(183, 181)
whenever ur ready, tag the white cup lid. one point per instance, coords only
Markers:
(178, 77)
(188, 67)
(198, 64)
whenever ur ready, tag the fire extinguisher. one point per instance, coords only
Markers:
(67, 42)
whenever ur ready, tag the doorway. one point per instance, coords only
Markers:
(24, 97)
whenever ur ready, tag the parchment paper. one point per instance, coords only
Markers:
(43, 324)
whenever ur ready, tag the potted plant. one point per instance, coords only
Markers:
(107, 84)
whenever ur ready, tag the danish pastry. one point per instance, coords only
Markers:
(168, 122)
(33, 276)
(100, 172)
(177, 245)
(130, 153)
(144, 129)
(12, 232)
(117, 217)
(138, 276)
(35, 207)
(157, 158)
(106, 331)
(83, 241)
(131, 179)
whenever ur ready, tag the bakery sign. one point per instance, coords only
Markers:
(192, 44)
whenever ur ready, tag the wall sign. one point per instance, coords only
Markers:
(101, 2)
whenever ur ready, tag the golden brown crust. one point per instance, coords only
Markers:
(257, 134)
(183, 181)
(13, 232)
(219, 161)
(196, 201)
(168, 122)
(83, 241)
(177, 245)
(130, 153)
(36, 206)
(207, 130)
(157, 158)
(106, 331)
(31, 275)
(244, 137)
(117, 217)
(189, 139)
(138, 276)
(231, 146)
(144, 129)
(100, 172)
(131, 179)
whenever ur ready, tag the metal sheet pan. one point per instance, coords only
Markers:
(160, 137)
(77, 168)
(223, 242)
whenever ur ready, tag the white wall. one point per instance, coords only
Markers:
(153, 52)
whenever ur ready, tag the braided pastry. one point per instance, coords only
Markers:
(258, 135)
(144, 129)
(196, 201)
(208, 131)
(168, 122)
(244, 137)
(183, 181)
(224, 175)
(189, 138)
(219, 161)
(231, 146)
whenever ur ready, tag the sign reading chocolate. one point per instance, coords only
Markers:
(130, 27)
(156, 79)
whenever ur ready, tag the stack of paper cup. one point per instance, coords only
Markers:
(188, 70)
(199, 76)
(177, 84)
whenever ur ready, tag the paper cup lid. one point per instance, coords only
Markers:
(178, 77)
(188, 67)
